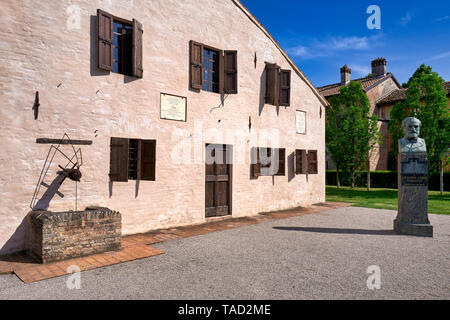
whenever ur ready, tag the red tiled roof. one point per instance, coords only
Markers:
(394, 96)
(333, 89)
(447, 87)
(400, 95)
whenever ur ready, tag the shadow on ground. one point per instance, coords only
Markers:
(339, 231)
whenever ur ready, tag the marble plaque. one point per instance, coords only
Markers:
(173, 107)
(300, 121)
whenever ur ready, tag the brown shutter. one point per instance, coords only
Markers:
(196, 65)
(300, 161)
(256, 163)
(281, 162)
(221, 69)
(285, 87)
(118, 167)
(105, 40)
(138, 69)
(230, 72)
(312, 162)
(148, 159)
(271, 84)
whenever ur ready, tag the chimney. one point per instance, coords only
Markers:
(378, 67)
(346, 73)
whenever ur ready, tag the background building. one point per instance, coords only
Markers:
(377, 85)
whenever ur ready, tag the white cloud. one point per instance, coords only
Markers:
(442, 18)
(333, 45)
(438, 57)
(360, 70)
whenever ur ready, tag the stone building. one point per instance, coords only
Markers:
(377, 85)
(153, 93)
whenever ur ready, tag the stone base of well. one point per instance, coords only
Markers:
(420, 230)
(56, 236)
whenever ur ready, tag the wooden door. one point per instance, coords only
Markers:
(218, 182)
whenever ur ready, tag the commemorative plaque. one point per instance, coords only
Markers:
(173, 107)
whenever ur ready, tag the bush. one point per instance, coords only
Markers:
(383, 179)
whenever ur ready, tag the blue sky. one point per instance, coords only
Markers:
(322, 36)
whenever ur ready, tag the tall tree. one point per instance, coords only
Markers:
(350, 131)
(426, 100)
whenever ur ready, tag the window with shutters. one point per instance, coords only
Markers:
(278, 85)
(119, 45)
(268, 162)
(212, 69)
(132, 159)
(306, 162)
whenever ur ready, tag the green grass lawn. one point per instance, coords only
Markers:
(385, 198)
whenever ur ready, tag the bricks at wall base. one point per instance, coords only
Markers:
(56, 236)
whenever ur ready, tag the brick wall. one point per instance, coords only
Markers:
(55, 236)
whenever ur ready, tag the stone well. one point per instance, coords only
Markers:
(55, 236)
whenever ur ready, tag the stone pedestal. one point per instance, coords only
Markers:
(55, 236)
(412, 217)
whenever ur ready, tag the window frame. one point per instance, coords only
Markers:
(128, 62)
(218, 63)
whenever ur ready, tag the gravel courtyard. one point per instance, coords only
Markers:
(315, 256)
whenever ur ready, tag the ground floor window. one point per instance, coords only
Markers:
(268, 162)
(306, 162)
(132, 159)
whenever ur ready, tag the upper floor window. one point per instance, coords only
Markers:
(278, 85)
(213, 69)
(119, 45)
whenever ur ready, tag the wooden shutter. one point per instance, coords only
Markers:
(138, 69)
(105, 40)
(285, 87)
(118, 167)
(230, 72)
(256, 163)
(300, 162)
(312, 162)
(147, 159)
(271, 84)
(196, 65)
(281, 162)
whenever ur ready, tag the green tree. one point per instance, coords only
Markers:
(350, 131)
(426, 100)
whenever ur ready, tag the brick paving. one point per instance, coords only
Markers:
(136, 246)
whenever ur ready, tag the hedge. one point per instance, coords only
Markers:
(383, 179)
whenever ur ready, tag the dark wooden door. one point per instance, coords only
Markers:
(218, 183)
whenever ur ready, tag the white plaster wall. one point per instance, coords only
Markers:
(42, 49)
